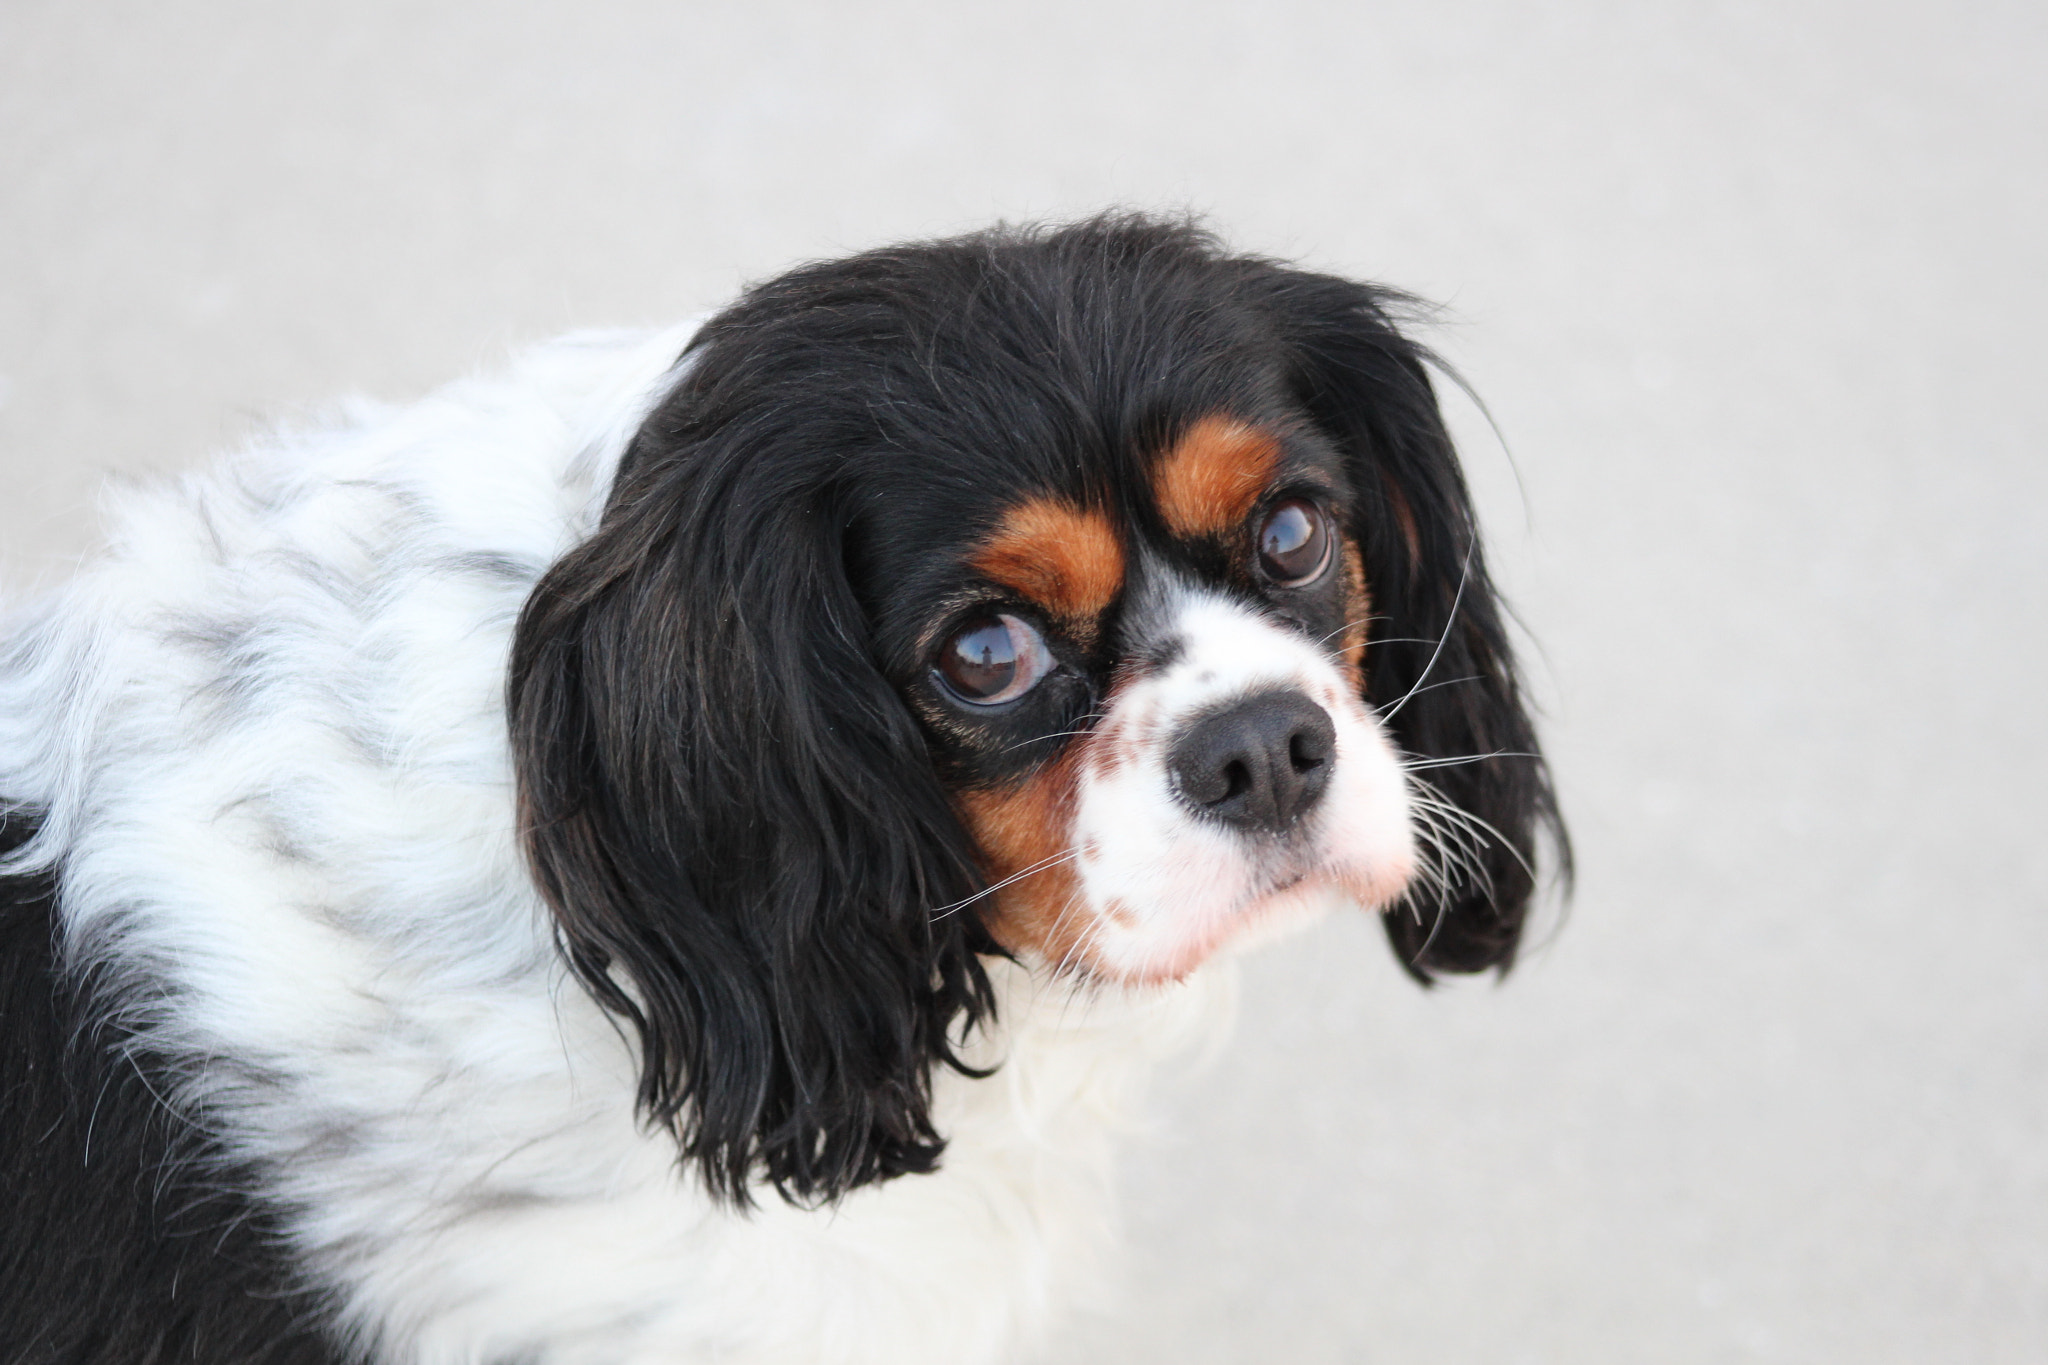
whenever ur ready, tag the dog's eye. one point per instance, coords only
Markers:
(994, 659)
(1294, 544)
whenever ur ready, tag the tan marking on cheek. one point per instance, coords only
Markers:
(1031, 824)
(1207, 483)
(1357, 614)
(1023, 827)
(1064, 558)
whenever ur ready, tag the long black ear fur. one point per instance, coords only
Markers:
(1439, 666)
(734, 819)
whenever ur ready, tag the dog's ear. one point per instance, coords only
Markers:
(1439, 667)
(733, 817)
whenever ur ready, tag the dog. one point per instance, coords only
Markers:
(686, 851)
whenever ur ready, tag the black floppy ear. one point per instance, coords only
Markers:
(732, 816)
(1439, 667)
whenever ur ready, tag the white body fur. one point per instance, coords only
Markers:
(267, 733)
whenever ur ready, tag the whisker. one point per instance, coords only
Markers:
(1433, 871)
(1074, 957)
(1444, 806)
(1416, 765)
(1361, 621)
(1082, 985)
(1456, 825)
(1450, 851)
(1039, 866)
(1464, 576)
(1429, 878)
(1087, 723)
(1398, 639)
(1472, 827)
(1448, 682)
(1443, 912)
(1455, 848)
(1040, 739)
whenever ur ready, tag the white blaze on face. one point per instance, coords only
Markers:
(1162, 886)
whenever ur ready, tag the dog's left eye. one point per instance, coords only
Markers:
(994, 659)
(1294, 543)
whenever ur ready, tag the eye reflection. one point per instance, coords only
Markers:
(1294, 543)
(993, 659)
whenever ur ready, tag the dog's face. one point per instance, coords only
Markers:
(1146, 694)
(1088, 596)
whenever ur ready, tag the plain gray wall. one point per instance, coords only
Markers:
(1755, 293)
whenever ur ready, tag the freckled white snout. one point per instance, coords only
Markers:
(1236, 787)
(1257, 764)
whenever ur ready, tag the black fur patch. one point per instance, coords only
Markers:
(124, 1238)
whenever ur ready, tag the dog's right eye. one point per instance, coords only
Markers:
(994, 659)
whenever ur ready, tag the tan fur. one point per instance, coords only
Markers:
(1024, 825)
(1357, 615)
(1208, 481)
(1021, 827)
(1065, 558)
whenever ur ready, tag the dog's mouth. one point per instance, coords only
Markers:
(1166, 943)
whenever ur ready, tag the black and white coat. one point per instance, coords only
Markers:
(319, 1050)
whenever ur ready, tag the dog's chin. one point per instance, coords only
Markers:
(1115, 955)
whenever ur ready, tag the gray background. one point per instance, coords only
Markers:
(1755, 292)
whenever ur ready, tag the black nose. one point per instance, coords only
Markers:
(1258, 763)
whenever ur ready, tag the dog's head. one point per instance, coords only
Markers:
(1089, 596)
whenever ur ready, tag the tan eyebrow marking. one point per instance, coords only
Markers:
(1066, 559)
(1208, 480)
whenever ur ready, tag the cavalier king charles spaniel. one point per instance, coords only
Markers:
(686, 851)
